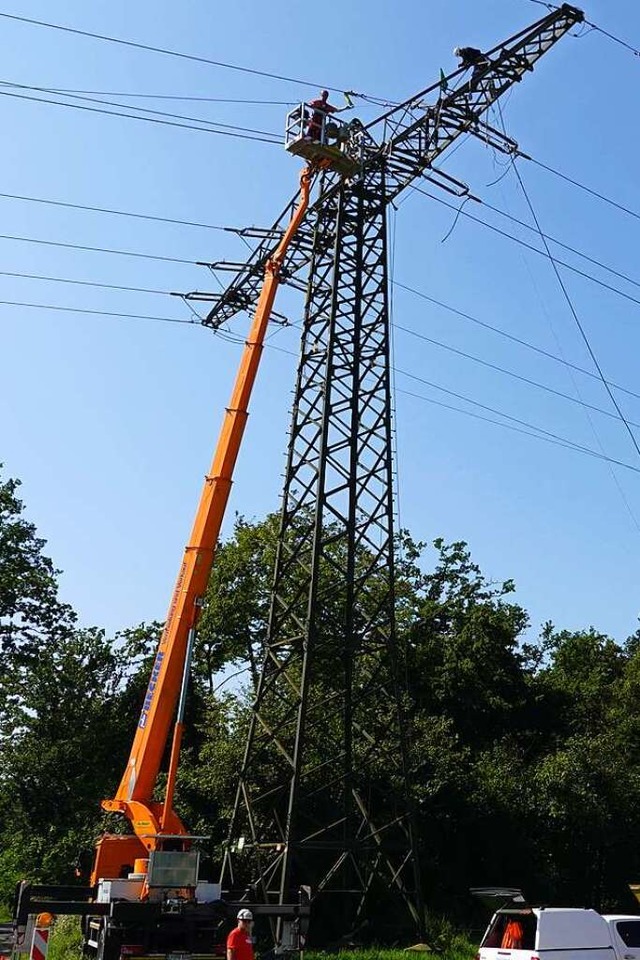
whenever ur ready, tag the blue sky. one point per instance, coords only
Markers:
(110, 423)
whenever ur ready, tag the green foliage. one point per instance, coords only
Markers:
(66, 939)
(233, 623)
(65, 712)
(445, 939)
(524, 757)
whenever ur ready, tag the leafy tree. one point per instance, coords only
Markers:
(66, 698)
(525, 757)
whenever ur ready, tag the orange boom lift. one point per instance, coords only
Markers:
(146, 899)
(153, 822)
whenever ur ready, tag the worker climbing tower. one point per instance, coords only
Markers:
(324, 793)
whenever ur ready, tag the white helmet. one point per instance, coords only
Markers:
(456, 51)
(245, 915)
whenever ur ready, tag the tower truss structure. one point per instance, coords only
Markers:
(324, 790)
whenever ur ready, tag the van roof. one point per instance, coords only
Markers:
(538, 910)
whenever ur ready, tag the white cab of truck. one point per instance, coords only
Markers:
(559, 933)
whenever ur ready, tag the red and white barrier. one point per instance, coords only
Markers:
(40, 941)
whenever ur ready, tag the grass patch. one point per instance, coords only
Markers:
(66, 939)
(66, 944)
(458, 947)
(365, 953)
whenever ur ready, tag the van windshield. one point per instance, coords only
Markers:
(512, 931)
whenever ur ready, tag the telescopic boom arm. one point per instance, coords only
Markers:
(134, 797)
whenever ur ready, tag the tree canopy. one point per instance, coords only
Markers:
(524, 753)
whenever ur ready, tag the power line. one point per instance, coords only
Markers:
(560, 243)
(512, 337)
(539, 434)
(175, 96)
(582, 186)
(611, 36)
(117, 213)
(84, 283)
(528, 246)
(414, 333)
(166, 52)
(142, 110)
(232, 229)
(567, 444)
(511, 373)
(129, 116)
(78, 246)
(577, 399)
(575, 315)
(614, 476)
(100, 313)
(508, 416)
(593, 26)
(161, 258)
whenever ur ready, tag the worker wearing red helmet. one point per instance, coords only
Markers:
(321, 109)
(240, 941)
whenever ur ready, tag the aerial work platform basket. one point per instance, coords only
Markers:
(323, 140)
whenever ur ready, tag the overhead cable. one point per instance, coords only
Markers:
(559, 243)
(575, 314)
(511, 373)
(176, 96)
(396, 326)
(111, 250)
(528, 246)
(165, 51)
(517, 420)
(556, 441)
(84, 283)
(142, 110)
(582, 186)
(530, 430)
(511, 336)
(538, 434)
(117, 213)
(100, 313)
(130, 116)
(611, 36)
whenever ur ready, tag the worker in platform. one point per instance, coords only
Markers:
(471, 57)
(321, 109)
(240, 941)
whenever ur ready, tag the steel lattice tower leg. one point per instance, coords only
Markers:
(323, 793)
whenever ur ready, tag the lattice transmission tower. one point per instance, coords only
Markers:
(324, 790)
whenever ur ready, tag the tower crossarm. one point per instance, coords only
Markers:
(416, 134)
(409, 139)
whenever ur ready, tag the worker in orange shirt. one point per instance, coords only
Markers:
(240, 941)
(321, 109)
(513, 936)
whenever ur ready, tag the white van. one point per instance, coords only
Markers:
(559, 933)
(625, 933)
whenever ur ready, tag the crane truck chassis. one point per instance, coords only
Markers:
(118, 924)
